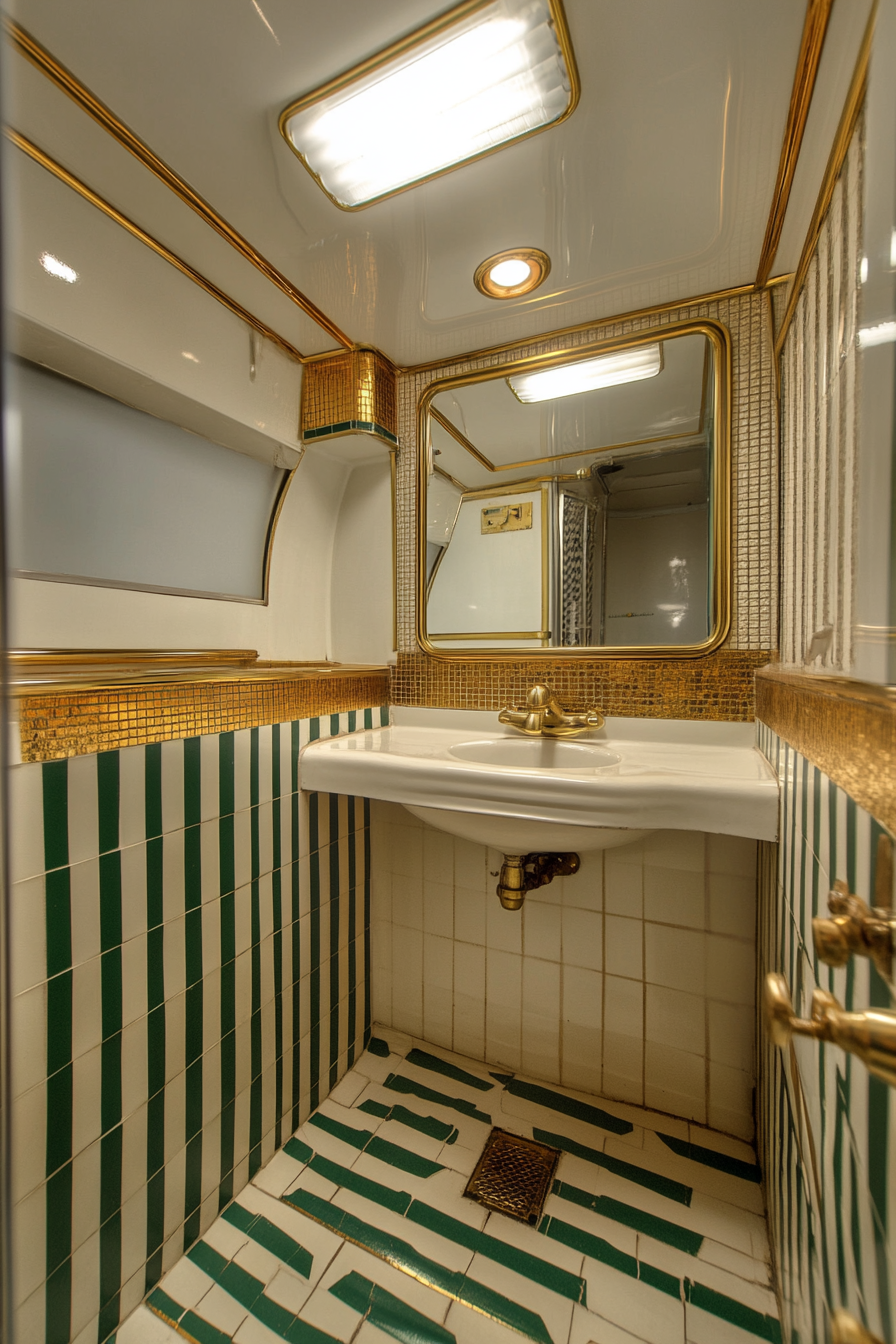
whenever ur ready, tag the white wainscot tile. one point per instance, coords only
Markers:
(730, 969)
(583, 938)
(438, 907)
(623, 954)
(438, 989)
(469, 1000)
(675, 896)
(675, 958)
(676, 849)
(731, 1035)
(504, 928)
(675, 1081)
(582, 1021)
(407, 900)
(26, 810)
(438, 856)
(469, 915)
(732, 905)
(541, 930)
(407, 986)
(585, 889)
(623, 1039)
(676, 1019)
(541, 1019)
(503, 1007)
(624, 881)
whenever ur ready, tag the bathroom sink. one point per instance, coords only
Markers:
(462, 772)
(535, 753)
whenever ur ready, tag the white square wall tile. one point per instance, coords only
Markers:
(469, 915)
(676, 1019)
(675, 958)
(583, 938)
(541, 1019)
(623, 883)
(623, 952)
(541, 930)
(730, 969)
(469, 1000)
(731, 1034)
(675, 896)
(675, 1080)
(438, 908)
(26, 830)
(732, 904)
(676, 849)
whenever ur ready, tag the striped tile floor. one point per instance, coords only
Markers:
(358, 1230)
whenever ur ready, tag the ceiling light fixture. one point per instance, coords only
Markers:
(53, 266)
(471, 81)
(506, 275)
(587, 375)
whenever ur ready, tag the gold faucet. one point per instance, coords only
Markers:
(544, 716)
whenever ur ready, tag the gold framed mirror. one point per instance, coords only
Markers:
(579, 501)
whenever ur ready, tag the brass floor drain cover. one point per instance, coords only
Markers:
(513, 1175)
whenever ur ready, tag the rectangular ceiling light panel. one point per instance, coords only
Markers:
(476, 79)
(587, 375)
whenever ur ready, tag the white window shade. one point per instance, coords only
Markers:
(100, 492)
(477, 84)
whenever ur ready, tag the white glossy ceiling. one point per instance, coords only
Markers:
(656, 189)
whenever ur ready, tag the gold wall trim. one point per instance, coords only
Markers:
(717, 687)
(407, 43)
(41, 157)
(818, 13)
(720, 339)
(848, 118)
(57, 73)
(79, 720)
(847, 728)
(352, 391)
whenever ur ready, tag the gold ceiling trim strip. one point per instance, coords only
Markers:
(818, 13)
(594, 323)
(56, 723)
(847, 728)
(41, 157)
(408, 43)
(70, 85)
(850, 115)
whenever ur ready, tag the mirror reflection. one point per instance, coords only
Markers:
(579, 503)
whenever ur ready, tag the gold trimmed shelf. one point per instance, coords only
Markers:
(76, 703)
(847, 728)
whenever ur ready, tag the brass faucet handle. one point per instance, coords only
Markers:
(871, 1035)
(855, 929)
(845, 1329)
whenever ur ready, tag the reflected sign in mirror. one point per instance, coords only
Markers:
(579, 501)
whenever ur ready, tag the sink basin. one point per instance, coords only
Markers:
(462, 773)
(536, 753)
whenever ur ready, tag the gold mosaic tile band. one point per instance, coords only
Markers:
(847, 728)
(79, 722)
(351, 388)
(718, 686)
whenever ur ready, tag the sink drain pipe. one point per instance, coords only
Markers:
(524, 872)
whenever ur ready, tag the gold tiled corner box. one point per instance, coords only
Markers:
(718, 686)
(349, 393)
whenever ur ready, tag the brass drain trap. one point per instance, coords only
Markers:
(513, 1176)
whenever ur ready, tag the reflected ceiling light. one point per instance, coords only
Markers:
(506, 275)
(477, 78)
(586, 375)
(53, 266)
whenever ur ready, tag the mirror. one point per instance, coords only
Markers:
(579, 501)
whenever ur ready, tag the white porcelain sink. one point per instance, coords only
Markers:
(464, 773)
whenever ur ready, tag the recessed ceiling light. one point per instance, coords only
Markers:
(467, 83)
(586, 375)
(506, 275)
(53, 266)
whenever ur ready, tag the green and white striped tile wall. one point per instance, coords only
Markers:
(827, 1131)
(190, 946)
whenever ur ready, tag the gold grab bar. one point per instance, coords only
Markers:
(870, 1035)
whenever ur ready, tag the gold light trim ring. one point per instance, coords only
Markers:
(407, 43)
(70, 85)
(818, 13)
(720, 339)
(539, 264)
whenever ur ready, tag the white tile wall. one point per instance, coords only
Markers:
(634, 979)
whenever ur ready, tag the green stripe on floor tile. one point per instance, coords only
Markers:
(578, 1110)
(736, 1313)
(396, 1083)
(165, 1306)
(396, 1200)
(358, 1138)
(201, 1330)
(406, 1258)
(271, 1237)
(249, 1292)
(388, 1313)
(401, 1158)
(733, 1166)
(424, 1124)
(377, 1046)
(424, 1060)
(648, 1223)
(298, 1150)
(502, 1252)
(661, 1185)
(599, 1249)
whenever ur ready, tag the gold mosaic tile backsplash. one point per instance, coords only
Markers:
(719, 686)
(80, 722)
(351, 386)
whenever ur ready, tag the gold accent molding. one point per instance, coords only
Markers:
(818, 13)
(41, 157)
(848, 118)
(720, 339)
(105, 709)
(352, 392)
(539, 264)
(407, 43)
(717, 687)
(70, 85)
(847, 728)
